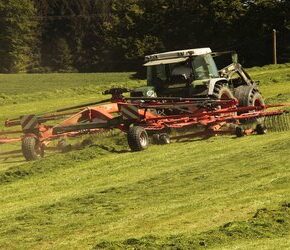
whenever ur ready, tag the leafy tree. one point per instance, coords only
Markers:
(255, 30)
(61, 58)
(95, 45)
(18, 36)
(111, 35)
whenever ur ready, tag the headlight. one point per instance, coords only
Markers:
(151, 93)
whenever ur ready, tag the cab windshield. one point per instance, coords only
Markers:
(201, 68)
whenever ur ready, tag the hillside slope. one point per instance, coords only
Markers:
(221, 193)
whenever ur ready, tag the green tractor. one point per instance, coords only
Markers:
(194, 73)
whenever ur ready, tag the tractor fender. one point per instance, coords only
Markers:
(213, 82)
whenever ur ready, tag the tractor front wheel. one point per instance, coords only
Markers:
(31, 148)
(222, 92)
(138, 139)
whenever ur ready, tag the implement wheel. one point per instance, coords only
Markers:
(260, 129)
(161, 139)
(138, 139)
(239, 132)
(31, 148)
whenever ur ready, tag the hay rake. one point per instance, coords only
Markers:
(143, 118)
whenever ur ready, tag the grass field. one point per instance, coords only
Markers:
(220, 193)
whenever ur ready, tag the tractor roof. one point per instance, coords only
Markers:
(174, 56)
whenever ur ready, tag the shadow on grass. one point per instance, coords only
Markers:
(11, 157)
(111, 149)
(11, 161)
(12, 152)
(192, 139)
(265, 223)
(52, 162)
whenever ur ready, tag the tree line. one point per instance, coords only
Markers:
(114, 35)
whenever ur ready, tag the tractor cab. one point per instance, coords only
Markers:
(181, 73)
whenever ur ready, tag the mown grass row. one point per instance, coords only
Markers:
(192, 193)
(94, 196)
(265, 223)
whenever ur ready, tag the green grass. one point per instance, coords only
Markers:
(24, 93)
(274, 82)
(220, 193)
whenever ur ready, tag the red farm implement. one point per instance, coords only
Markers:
(140, 118)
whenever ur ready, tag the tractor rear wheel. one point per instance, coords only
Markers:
(31, 148)
(250, 96)
(138, 139)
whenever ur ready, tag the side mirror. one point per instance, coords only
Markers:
(235, 57)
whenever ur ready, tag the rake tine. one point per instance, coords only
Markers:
(267, 122)
(278, 123)
(284, 122)
(273, 120)
(279, 126)
(270, 120)
(287, 118)
(271, 123)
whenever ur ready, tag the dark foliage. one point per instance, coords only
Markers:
(114, 35)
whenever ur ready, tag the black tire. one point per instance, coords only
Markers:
(31, 149)
(164, 139)
(64, 147)
(155, 139)
(260, 129)
(239, 132)
(138, 139)
(249, 96)
(161, 139)
(222, 91)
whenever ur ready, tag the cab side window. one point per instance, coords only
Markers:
(200, 68)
